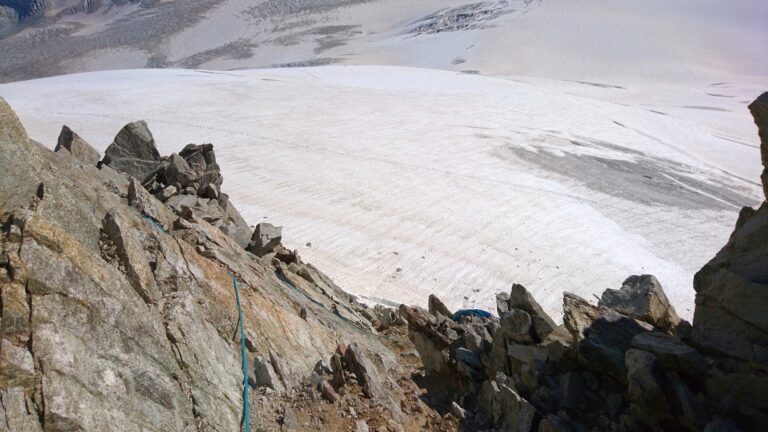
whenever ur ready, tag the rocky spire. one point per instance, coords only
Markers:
(759, 110)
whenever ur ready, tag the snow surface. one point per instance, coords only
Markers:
(412, 181)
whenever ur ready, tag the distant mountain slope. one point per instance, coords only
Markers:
(569, 39)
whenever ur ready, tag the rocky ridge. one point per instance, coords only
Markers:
(119, 313)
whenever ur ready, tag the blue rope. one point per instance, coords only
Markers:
(245, 363)
(155, 223)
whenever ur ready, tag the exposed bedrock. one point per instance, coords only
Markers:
(119, 308)
(759, 110)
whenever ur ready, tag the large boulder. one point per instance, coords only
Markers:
(133, 151)
(520, 298)
(759, 110)
(72, 144)
(642, 297)
(436, 306)
(266, 237)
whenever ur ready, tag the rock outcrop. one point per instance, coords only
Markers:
(732, 292)
(133, 151)
(72, 144)
(759, 110)
(642, 297)
(266, 237)
(119, 312)
(732, 289)
(628, 363)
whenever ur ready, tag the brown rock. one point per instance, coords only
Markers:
(326, 389)
(436, 306)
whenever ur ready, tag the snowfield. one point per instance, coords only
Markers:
(412, 181)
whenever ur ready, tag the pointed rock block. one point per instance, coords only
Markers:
(641, 297)
(502, 303)
(436, 306)
(20, 162)
(505, 407)
(520, 298)
(266, 376)
(133, 151)
(71, 143)
(759, 110)
(10, 126)
(266, 237)
(370, 378)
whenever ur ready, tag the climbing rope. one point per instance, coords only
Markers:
(245, 363)
(154, 223)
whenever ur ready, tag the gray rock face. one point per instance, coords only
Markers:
(673, 354)
(606, 341)
(759, 110)
(177, 172)
(202, 160)
(642, 297)
(520, 298)
(732, 289)
(266, 237)
(109, 318)
(645, 379)
(578, 314)
(732, 292)
(133, 151)
(71, 143)
(146, 204)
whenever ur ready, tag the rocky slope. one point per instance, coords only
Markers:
(120, 312)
